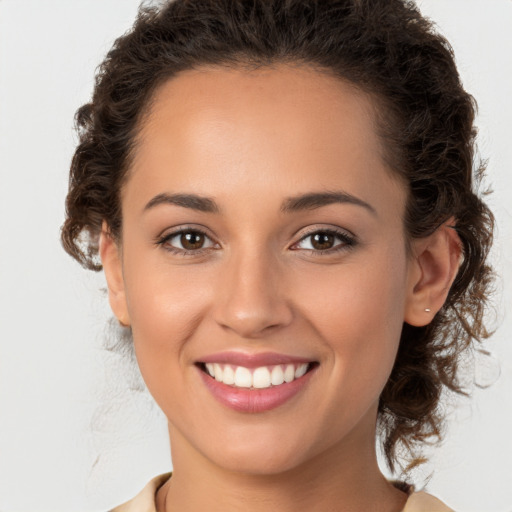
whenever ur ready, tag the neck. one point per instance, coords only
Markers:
(343, 478)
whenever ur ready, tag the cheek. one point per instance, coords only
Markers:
(161, 296)
(165, 305)
(358, 310)
(365, 290)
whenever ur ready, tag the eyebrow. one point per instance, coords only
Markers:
(309, 201)
(315, 200)
(192, 201)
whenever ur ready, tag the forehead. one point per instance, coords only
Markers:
(313, 101)
(230, 87)
(276, 128)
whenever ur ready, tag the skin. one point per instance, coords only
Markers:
(250, 140)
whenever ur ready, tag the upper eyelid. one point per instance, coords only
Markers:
(170, 232)
(327, 229)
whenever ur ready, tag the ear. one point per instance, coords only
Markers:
(433, 267)
(112, 266)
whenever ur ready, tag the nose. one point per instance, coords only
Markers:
(250, 299)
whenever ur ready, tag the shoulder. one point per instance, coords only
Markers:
(424, 502)
(145, 500)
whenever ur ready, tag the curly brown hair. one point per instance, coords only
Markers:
(387, 49)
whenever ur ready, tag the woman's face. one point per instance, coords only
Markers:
(263, 235)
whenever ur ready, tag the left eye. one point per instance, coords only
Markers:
(324, 241)
(189, 240)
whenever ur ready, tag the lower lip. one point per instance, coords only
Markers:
(255, 400)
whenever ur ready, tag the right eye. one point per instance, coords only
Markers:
(186, 241)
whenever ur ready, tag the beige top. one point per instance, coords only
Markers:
(145, 500)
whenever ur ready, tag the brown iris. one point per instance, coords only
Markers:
(322, 241)
(192, 240)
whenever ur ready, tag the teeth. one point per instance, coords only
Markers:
(217, 372)
(289, 373)
(301, 370)
(229, 375)
(243, 377)
(259, 378)
(277, 376)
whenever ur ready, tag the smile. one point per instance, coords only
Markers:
(255, 383)
(256, 378)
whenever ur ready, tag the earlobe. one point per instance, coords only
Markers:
(432, 270)
(112, 266)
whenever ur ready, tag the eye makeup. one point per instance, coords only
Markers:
(195, 241)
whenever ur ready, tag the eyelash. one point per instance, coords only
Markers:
(348, 242)
(163, 242)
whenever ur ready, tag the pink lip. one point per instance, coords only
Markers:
(253, 360)
(255, 400)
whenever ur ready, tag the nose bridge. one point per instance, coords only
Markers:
(252, 299)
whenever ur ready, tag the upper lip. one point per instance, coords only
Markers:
(253, 360)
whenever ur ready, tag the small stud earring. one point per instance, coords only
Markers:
(427, 310)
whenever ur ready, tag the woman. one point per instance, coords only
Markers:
(281, 197)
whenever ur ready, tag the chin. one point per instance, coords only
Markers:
(259, 464)
(260, 455)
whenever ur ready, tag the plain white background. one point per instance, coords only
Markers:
(75, 432)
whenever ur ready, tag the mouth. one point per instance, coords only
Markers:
(261, 377)
(255, 383)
